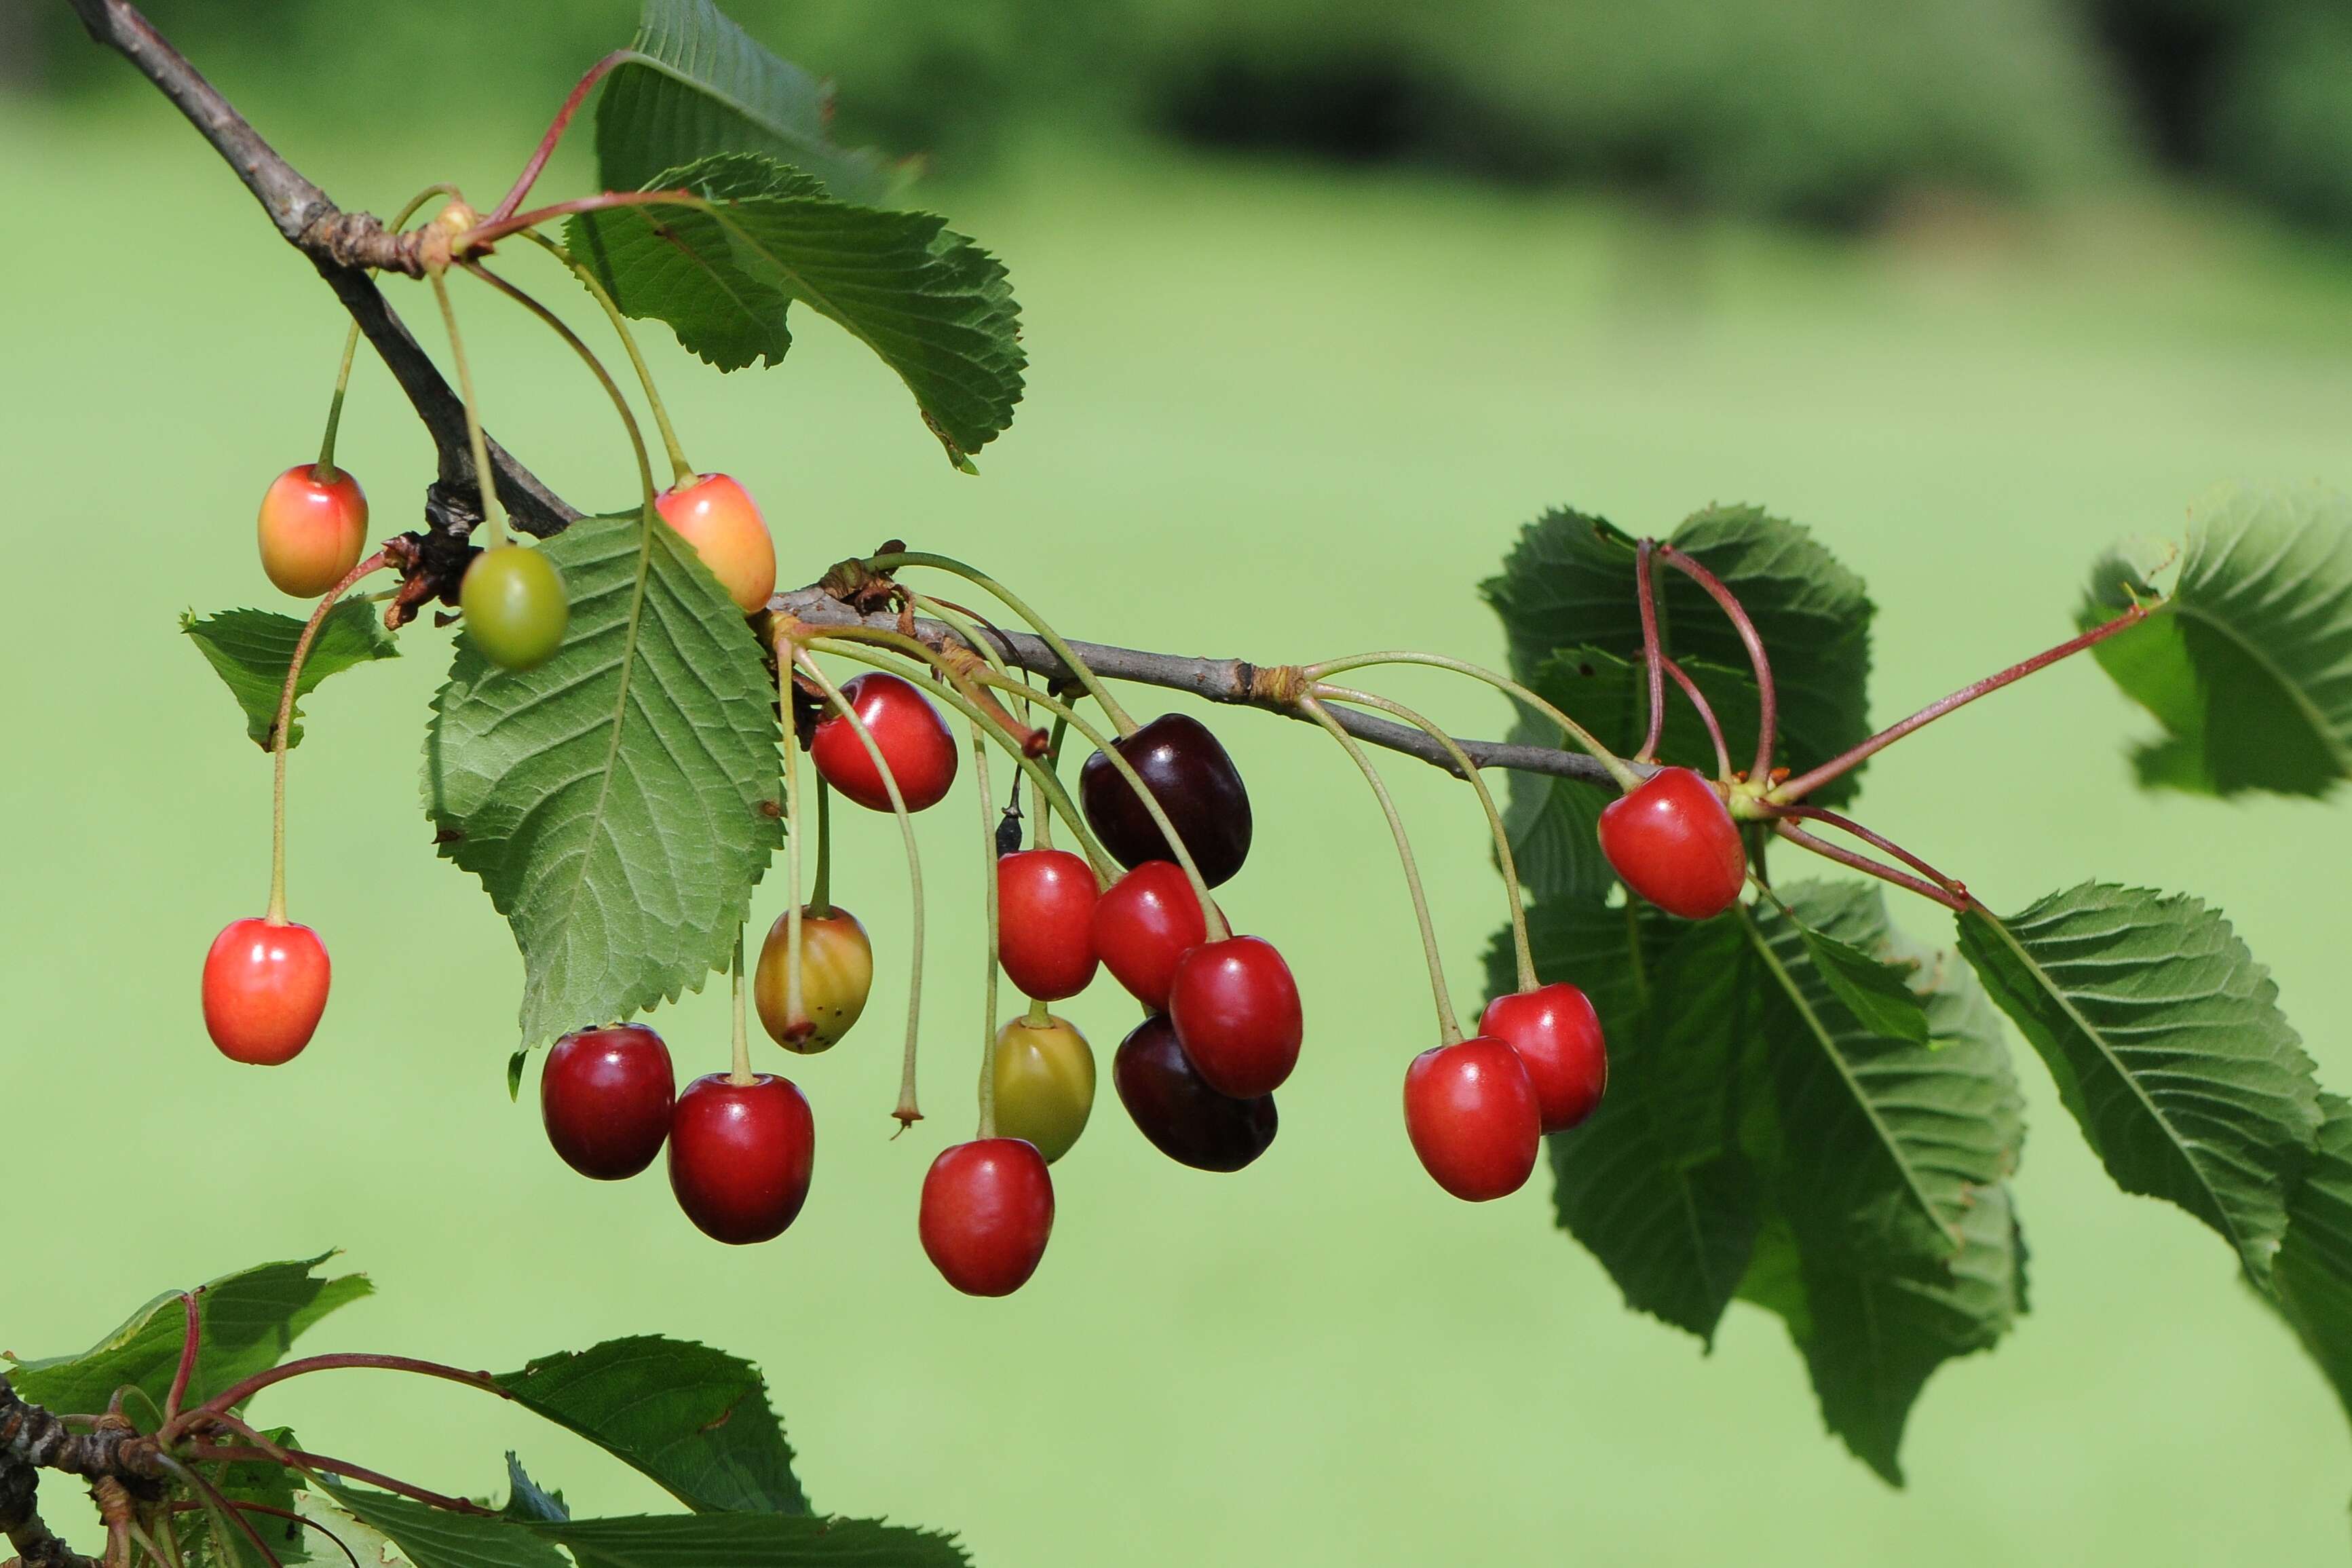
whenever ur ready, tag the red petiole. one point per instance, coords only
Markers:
(563, 121)
(1646, 593)
(489, 231)
(1862, 862)
(237, 1393)
(1767, 703)
(187, 1368)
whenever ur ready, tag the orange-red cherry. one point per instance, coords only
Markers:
(1675, 843)
(906, 729)
(1142, 924)
(719, 519)
(1471, 1113)
(739, 1155)
(1558, 1035)
(312, 530)
(1236, 1012)
(605, 1096)
(987, 1211)
(1045, 920)
(265, 987)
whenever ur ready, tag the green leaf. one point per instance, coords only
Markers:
(269, 1484)
(2311, 1281)
(1877, 993)
(724, 270)
(248, 1320)
(693, 84)
(2248, 666)
(693, 1420)
(619, 802)
(528, 1501)
(2168, 1046)
(751, 1541)
(250, 650)
(438, 1538)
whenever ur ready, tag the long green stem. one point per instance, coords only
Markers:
(326, 470)
(796, 1014)
(684, 470)
(742, 1074)
(820, 900)
(279, 742)
(484, 481)
(987, 881)
(587, 355)
(1053, 639)
(1627, 779)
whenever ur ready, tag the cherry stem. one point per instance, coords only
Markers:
(1646, 593)
(214, 1498)
(683, 471)
(1846, 762)
(740, 1071)
(961, 679)
(291, 1517)
(238, 1393)
(796, 1010)
(187, 1368)
(1706, 714)
(967, 626)
(587, 355)
(908, 1111)
(1449, 1030)
(1768, 704)
(489, 231)
(326, 471)
(820, 902)
(987, 881)
(301, 1459)
(1052, 763)
(1877, 842)
(1521, 952)
(555, 129)
(1862, 862)
(279, 742)
(485, 482)
(1628, 779)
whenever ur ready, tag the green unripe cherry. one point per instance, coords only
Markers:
(1044, 1084)
(516, 609)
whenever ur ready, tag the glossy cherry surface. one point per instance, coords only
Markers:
(265, 988)
(836, 976)
(1471, 1113)
(1188, 772)
(987, 1211)
(1143, 923)
(912, 736)
(1675, 843)
(605, 1096)
(1558, 1035)
(310, 530)
(1044, 1084)
(739, 1155)
(1044, 922)
(1171, 1104)
(1236, 1012)
(516, 607)
(719, 518)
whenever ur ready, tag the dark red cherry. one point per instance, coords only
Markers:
(1235, 1009)
(1174, 1107)
(987, 1210)
(1195, 783)
(1471, 1113)
(605, 1096)
(1558, 1035)
(1143, 923)
(1045, 920)
(909, 731)
(265, 988)
(739, 1155)
(1675, 843)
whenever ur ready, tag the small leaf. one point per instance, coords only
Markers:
(527, 1501)
(751, 1541)
(2168, 1046)
(250, 650)
(439, 1538)
(1877, 993)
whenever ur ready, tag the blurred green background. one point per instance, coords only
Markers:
(1287, 401)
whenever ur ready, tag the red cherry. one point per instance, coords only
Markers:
(912, 737)
(739, 1155)
(1471, 1113)
(1143, 923)
(265, 988)
(1185, 1119)
(1675, 844)
(312, 530)
(1188, 772)
(988, 1208)
(719, 519)
(605, 1096)
(1044, 915)
(1235, 1009)
(1558, 1035)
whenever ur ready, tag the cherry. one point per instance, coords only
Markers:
(1172, 1104)
(515, 605)
(837, 975)
(312, 530)
(1235, 1009)
(1558, 1035)
(906, 729)
(1044, 1084)
(987, 1210)
(1195, 783)
(1471, 1112)
(739, 1155)
(265, 988)
(1045, 918)
(605, 1096)
(1143, 923)
(717, 518)
(1675, 844)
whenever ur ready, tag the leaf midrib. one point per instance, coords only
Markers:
(636, 56)
(2294, 692)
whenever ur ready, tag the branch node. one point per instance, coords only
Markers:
(1281, 686)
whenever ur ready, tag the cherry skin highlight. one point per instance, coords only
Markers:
(1236, 1012)
(516, 607)
(739, 1155)
(986, 1214)
(312, 530)
(1471, 1113)
(1172, 1105)
(1558, 1035)
(1188, 772)
(1044, 1084)
(836, 976)
(907, 730)
(265, 988)
(1142, 924)
(1045, 919)
(719, 518)
(605, 1096)
(1673, 842)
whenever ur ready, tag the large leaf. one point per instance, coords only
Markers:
(2311, 1279)
(751, 1541)
(724, 268)
(441, 1537)
(2168, 1045)
(248, 1322)
(250, 650)
(619, 802)
(693, 84)
(696, 1420)
(2248, 665)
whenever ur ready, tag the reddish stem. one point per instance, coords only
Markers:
(237, 1393)
(304, 1461)
(563, 121)
(489, 231)
(1768, 704)
(217, 1499)
(1706, 714)
(187, 1358)
(289, 1515)
(1863, 862)
(1877, 842)
(1797, 788)
(1645, 593)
